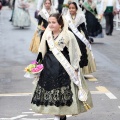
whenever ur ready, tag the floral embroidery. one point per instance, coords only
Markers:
(58, 97)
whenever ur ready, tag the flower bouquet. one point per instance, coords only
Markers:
(33, 69)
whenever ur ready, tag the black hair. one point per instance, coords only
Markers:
(46, 0)
(74, 3)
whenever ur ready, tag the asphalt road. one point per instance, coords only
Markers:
(15, 90)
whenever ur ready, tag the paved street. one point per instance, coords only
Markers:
(15, 90)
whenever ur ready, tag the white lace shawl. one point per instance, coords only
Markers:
(79, 19)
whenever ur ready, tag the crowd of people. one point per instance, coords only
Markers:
(56, 91)
(66, 29)
(65, 51)
(107, 9)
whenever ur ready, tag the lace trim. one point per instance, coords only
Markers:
(58, 97)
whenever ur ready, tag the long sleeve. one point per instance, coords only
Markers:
(55, 2)
(117, 5)
(102, 7)
(40, 19)
(83, 28)
(74, 51)
(39, 4)
(82, 47)
(39, 57)
(84, 57)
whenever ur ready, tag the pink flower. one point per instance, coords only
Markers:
(35, 70)
(34, 62)
(39, 66)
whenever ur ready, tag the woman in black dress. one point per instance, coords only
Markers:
(56, 93)
(94, 28)
(43, 16)
(76, 23)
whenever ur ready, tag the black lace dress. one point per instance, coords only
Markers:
(53, 88)
(54, 92)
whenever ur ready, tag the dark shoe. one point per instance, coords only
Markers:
(10, 20)
(63, 118)
(21, 27)
(110, 34)
(107, 33)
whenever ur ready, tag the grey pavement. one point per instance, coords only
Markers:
(15, 90)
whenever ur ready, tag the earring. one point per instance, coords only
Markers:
(60, 28)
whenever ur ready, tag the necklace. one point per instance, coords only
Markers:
(55, 36)
(73, 17)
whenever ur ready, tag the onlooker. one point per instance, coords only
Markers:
(109, 8)
(40, 5)
(21, 17)
(13, 6)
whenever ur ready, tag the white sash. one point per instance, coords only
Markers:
(82, 95)
(45, 13)
(77, 33)
(64, 62)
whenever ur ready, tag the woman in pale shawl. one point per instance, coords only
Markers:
(40, 4)
(21, 17)
(65, 5)
(45, 12)
(76, 21)
(43, 16)
(56, 92)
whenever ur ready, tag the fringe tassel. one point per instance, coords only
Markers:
(87, 107)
